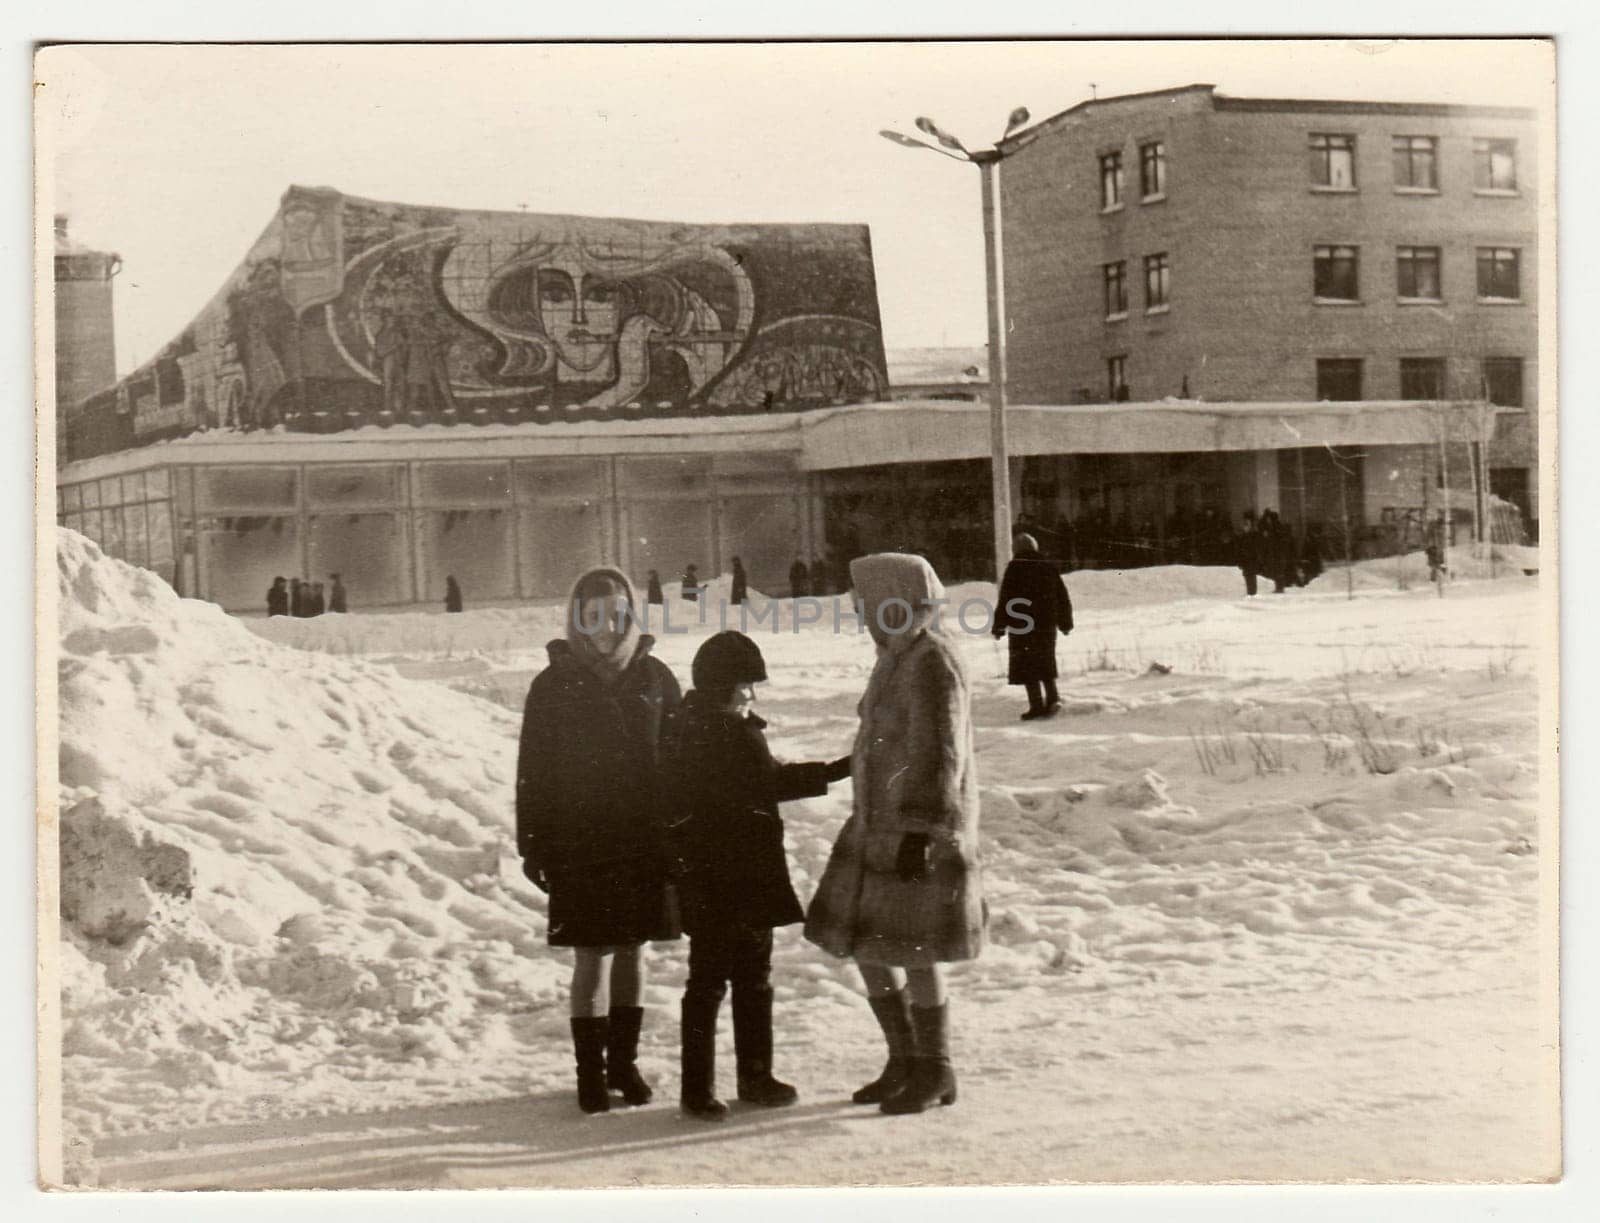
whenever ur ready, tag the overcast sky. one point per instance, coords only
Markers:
(175, 157)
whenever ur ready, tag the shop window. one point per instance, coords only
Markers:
(1336, 273)
(1417, 272)
(686, 476)
(478, 483)
(1339, 379)
(557, 479)
(1416, 163)
(1333, 161)
(248, 488)
(357, 484)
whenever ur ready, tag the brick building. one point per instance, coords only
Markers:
(1183, 244)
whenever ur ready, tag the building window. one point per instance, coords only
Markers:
(1116, 281)
(1502, 381)
(1339, 379)
(1153, 170)
(1421, 377)
(1416, 163)
(1333, 161)
(1335, 273)
(1499, 275)
(1157, 276)
(1110, 181)
(1494, 165)
(1417, 272)
(1117, 379)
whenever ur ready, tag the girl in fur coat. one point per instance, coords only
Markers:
(902, 892)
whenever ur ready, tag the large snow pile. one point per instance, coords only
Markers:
(278, 869)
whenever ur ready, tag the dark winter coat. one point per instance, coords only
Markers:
(336, 598)
(727, 835)
(452, 596)
(741, 586)
(915, 775)
(588, 791)
(277, 600)
(1032, 590)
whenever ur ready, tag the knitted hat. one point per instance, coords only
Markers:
(726, 660)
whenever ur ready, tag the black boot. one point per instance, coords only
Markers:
(589, 1047)
(699, 1089)
(932, 1080)
(622, 1048)
(752, 1049)
(893, 1018)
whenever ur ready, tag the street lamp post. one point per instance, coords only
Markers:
(988, 163)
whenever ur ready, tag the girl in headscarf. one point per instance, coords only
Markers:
(902, 892)
(589, 824)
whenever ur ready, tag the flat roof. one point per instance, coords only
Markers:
(851, 436)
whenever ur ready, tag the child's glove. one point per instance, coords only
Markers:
(837, 770)
(535, 875)
(911, 862)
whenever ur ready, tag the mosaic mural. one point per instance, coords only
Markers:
(350, 313)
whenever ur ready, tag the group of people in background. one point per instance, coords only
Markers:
(645, 815)
(293, 597)
(1266, 548)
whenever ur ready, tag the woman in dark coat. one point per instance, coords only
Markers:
(732, 875)
(589, 827)
(741, 584)
(1033, 607)
(652, 590)
(1247, 552)
(278, 597)
(452, 595)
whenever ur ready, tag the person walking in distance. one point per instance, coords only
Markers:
(652, 591)
(741, 584)
(452, 594)
(336, 595)
(1033, 607)
(902, 891)
(732, 876)
(691, 582)
(278, 597)
(589, 822)
(1247, 552)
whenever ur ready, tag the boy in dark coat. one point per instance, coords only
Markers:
(1034, 607)
(733, 878)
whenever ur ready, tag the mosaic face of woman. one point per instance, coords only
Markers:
(578, 311)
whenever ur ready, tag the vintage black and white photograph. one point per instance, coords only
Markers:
(797, 614)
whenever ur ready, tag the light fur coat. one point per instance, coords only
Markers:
(913, 771)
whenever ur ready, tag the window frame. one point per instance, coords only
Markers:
(1350, 363)
(1411, 367)
(1515, 262)
(1112, 174)
(1322, 160)
(1409, 153)
(1405, 256)
(1160, 263)
(1332, 259)
(1504, 363)
(1116, 273)
(1116, 377)
(1483, 179)
(1159, 162)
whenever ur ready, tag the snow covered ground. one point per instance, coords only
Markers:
(1266, 902)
